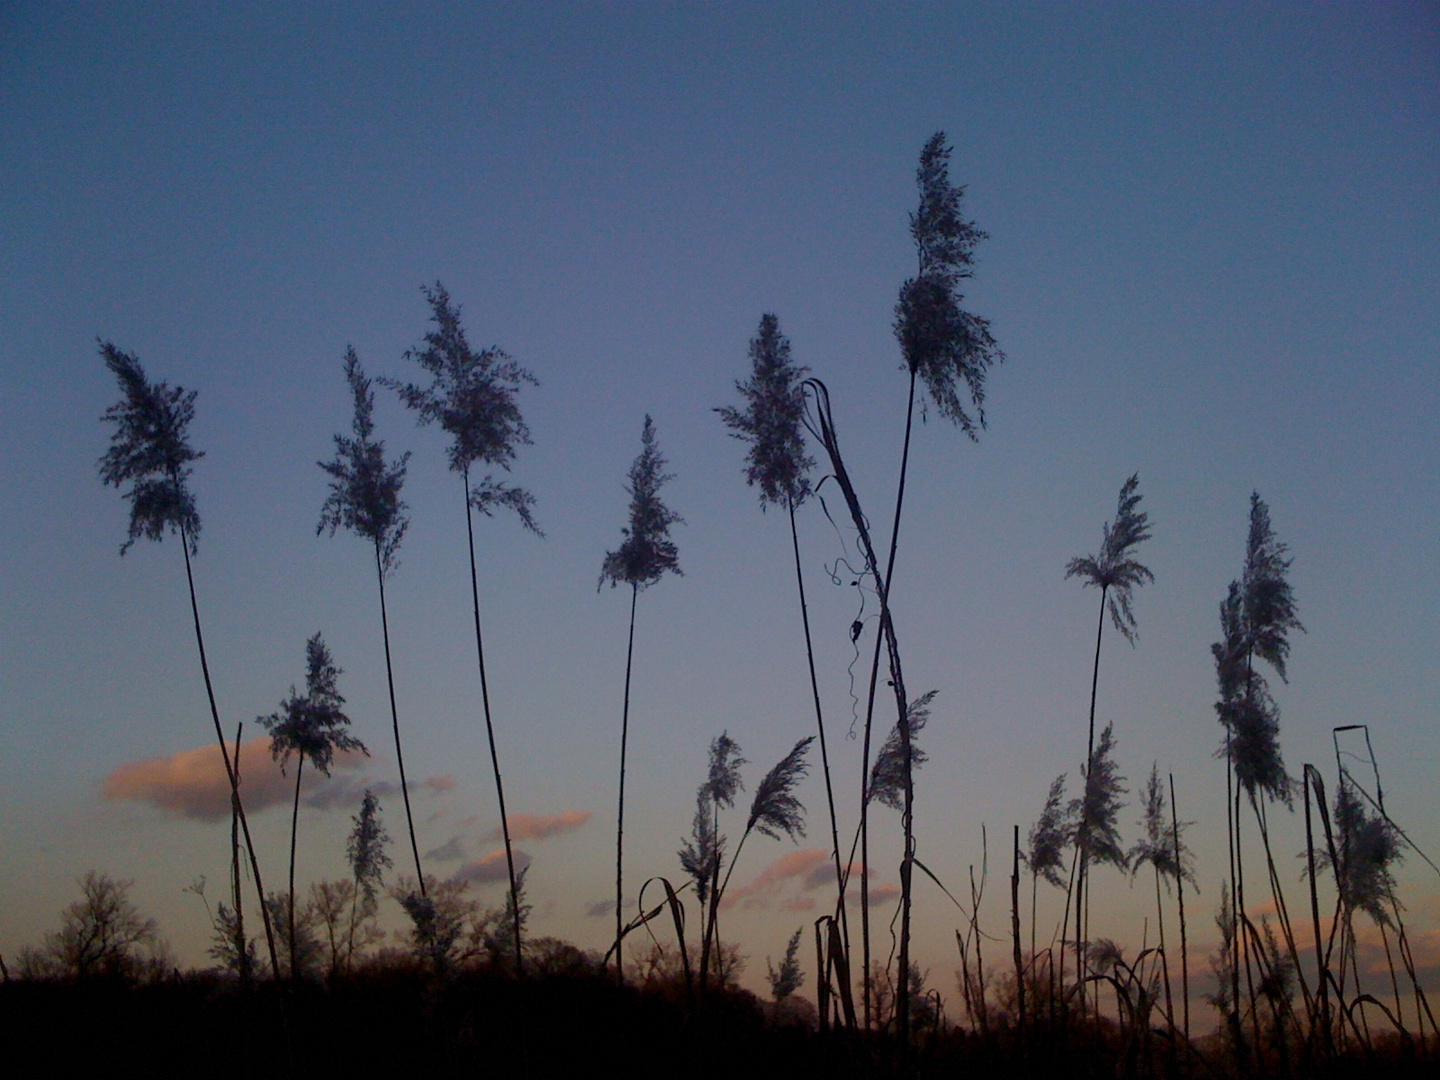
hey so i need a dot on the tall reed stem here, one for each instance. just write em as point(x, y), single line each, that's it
point(490, 727)
point(231, 768)
point(1180, 894)
point(294, 831)
point(620, 811)
point(820, 726)
point(395, 721)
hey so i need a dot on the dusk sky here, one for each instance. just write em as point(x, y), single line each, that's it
point(1213, 258)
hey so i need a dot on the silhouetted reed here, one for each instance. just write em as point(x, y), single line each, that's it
point(150, 450)
point(310, 728)
point(472, 396)
point(773, 423)
point(365, 499)
point(1116, 572)
point(644, 556)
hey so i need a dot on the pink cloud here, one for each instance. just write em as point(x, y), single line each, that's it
point(543, 826)
point(879, 894)
point(795, 864)
point(193, 783)
point(489, 868)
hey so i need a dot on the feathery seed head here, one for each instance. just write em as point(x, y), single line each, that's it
point(1255, 620)
point(365, 848)
point(1114, 568)
point(150, 450)
point(365, 490)
point(1158, 846)
point(723, 781)
point(887, 775)
point(647, 551)
point(940, 341)
point(1050, 835)
point(773, 419)
point(312, 726)
point(1269, 599)
point(1096, 813)
point(472, 396)
point(1366, 848)
point(775, 809)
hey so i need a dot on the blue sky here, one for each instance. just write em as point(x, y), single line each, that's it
point(1214, 258)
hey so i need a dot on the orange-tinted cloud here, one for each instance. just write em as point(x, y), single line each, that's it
point(489, 868)
point(800, 864)
point(543, 826)
point(193, 783)
point(879, 894)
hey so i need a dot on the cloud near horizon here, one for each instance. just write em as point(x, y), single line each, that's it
point(490, 868)
point(542, 826)
point(811, 867)
point(801, 864)
point(193, 784)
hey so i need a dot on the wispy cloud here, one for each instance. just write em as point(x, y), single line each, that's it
point(793, 865)
point(542, 826)
point(879, 894)
point(347, 791)
point(452, 849)
point(193, 783)
point(600, 908)
point(489, 868)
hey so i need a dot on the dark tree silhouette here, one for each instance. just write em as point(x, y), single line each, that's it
point(1116, 572)
point(644, 556)
point(365, 499)
point(773, 423)
point(473, 397)
point(310, 728)
point(150, 450)
point(99, 936)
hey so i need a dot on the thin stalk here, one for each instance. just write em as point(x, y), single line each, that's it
point(824, 429)
point(490, 727)
point(395, 722)
point(820, 726)
point(1084, 845)
point(235, 890)
point(1180, 894)
point(1160, 926)
point(1281, 907)
point(620, 811)
point(713, 932)
point(1230, 821)
point(294, 829)
point(1320, 960)
point(902, 993)
point(867, 991)
point(231, 769)
point(1015, 935)
point(1244, 919)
